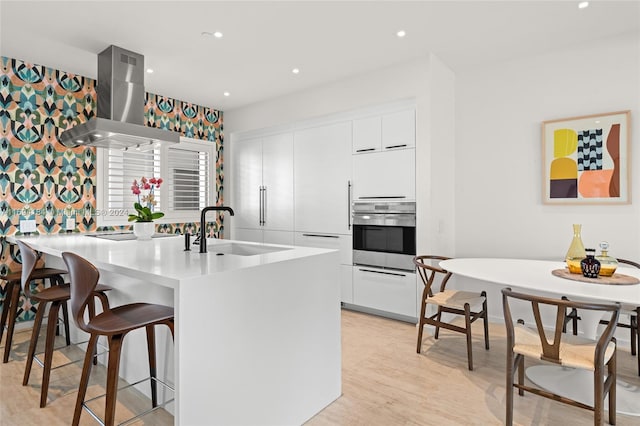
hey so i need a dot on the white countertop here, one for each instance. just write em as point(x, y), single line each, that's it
point(161, 260)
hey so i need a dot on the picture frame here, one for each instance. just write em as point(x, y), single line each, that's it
point(586, 159)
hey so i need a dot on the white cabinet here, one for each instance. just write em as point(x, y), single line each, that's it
point(367, 134)
point(385, 174)
point(322, 165)
point(262, 172)
point(399, 129)
point(385, 290)
point(336, 242)
point(395, 130)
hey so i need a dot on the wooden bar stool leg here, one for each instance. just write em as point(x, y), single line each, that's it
point(151, 349)
point(467, 322)
point(12, 306)
point(113, 368)
point(65, 310)
point(34, 341)
point(84, 379)
point(6, 305)
point(48, 352)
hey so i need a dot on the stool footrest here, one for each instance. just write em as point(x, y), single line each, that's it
point(128, 421)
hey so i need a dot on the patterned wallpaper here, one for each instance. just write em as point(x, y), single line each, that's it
point(43, 180)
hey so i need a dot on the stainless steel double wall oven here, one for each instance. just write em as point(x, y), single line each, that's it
point(384, 234)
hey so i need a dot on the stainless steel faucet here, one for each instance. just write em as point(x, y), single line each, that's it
point(203, 214)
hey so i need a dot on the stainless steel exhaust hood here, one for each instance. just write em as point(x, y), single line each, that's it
point(120, 113)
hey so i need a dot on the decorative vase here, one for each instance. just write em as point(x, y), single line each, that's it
point(608, 264)
point(576, 251)
point(590, 265)
point(143, 230)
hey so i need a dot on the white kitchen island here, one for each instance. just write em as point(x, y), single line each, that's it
point(257, 329)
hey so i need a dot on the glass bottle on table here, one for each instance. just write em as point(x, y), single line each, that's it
point(576, 252)
point(608, 264)
point(590, 265)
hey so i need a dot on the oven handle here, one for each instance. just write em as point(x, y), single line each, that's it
point(383, 273)
point(377, 198)
point(320, 235)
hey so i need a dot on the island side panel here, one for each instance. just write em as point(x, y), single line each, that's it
point(260, 345)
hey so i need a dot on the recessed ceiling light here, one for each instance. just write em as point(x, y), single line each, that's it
point(401, 33)
point(217, 34)
point(295, 71)
point(227, 94)
point(583, 4)
point(149, 70)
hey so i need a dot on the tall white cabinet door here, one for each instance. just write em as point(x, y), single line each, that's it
point(247, 180)
point(277, 179)
point(322, 171)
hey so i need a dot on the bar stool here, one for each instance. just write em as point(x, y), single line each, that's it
point(57, 296)
point(12, 297)
point(114, 323)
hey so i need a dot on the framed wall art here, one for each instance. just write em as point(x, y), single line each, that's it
point(586, 159)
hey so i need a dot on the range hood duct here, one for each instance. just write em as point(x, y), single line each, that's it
point(120, 114)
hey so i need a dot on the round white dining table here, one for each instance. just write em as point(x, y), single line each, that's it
point(536, 276)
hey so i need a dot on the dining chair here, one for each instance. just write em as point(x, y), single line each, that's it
point(114, 324)
point(563, 350)
point(55, 297)
point(632, 312)
point(470, 305)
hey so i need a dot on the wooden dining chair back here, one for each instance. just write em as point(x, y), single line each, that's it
point(558, 348)
point(114, 323)
point(470, 305)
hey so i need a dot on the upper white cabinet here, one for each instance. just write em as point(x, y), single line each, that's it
point(385, 174)
point(322, 174)
point(262, 172)
point(399, 129)
point(390, 131)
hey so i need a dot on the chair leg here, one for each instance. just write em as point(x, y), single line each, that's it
point(423, 312)
point(13, 313)
point(633, 322)
point(151, 349)
point(437, 333)
point(467, 322)
point(6, 305)
point(598, 395)
point(84, 380)
point(48, 352)
point(638, 338)
point(420, 329)
point(486, 320)
point(509, 388)
point(113, 368)
point(611, 372)
point(34, 341)
point(575, 322)
point(520, 361)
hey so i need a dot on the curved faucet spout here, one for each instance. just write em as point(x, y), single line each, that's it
point(203, 214)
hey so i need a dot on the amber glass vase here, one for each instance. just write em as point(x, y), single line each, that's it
point(576, 251)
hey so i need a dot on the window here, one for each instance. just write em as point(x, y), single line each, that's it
point(187, 169)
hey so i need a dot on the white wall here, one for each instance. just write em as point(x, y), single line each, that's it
point(499, 110)
point(414, 80)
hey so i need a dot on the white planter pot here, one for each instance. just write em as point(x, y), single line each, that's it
point(144, 230)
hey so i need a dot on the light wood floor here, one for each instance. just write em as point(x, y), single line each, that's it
point(384, 382)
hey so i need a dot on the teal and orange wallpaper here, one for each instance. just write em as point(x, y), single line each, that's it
point(43, 180)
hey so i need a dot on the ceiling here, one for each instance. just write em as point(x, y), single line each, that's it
point(263, 41)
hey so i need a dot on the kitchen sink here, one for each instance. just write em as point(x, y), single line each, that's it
point(126, 236)
point(240, 249)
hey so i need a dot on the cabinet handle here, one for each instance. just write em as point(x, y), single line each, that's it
point(349, 204)
point(395, 146)
point(320, 236)
point(260, 210)
point(365, 150)
point(373, 198)
point(383, 273)
point(264, 205)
